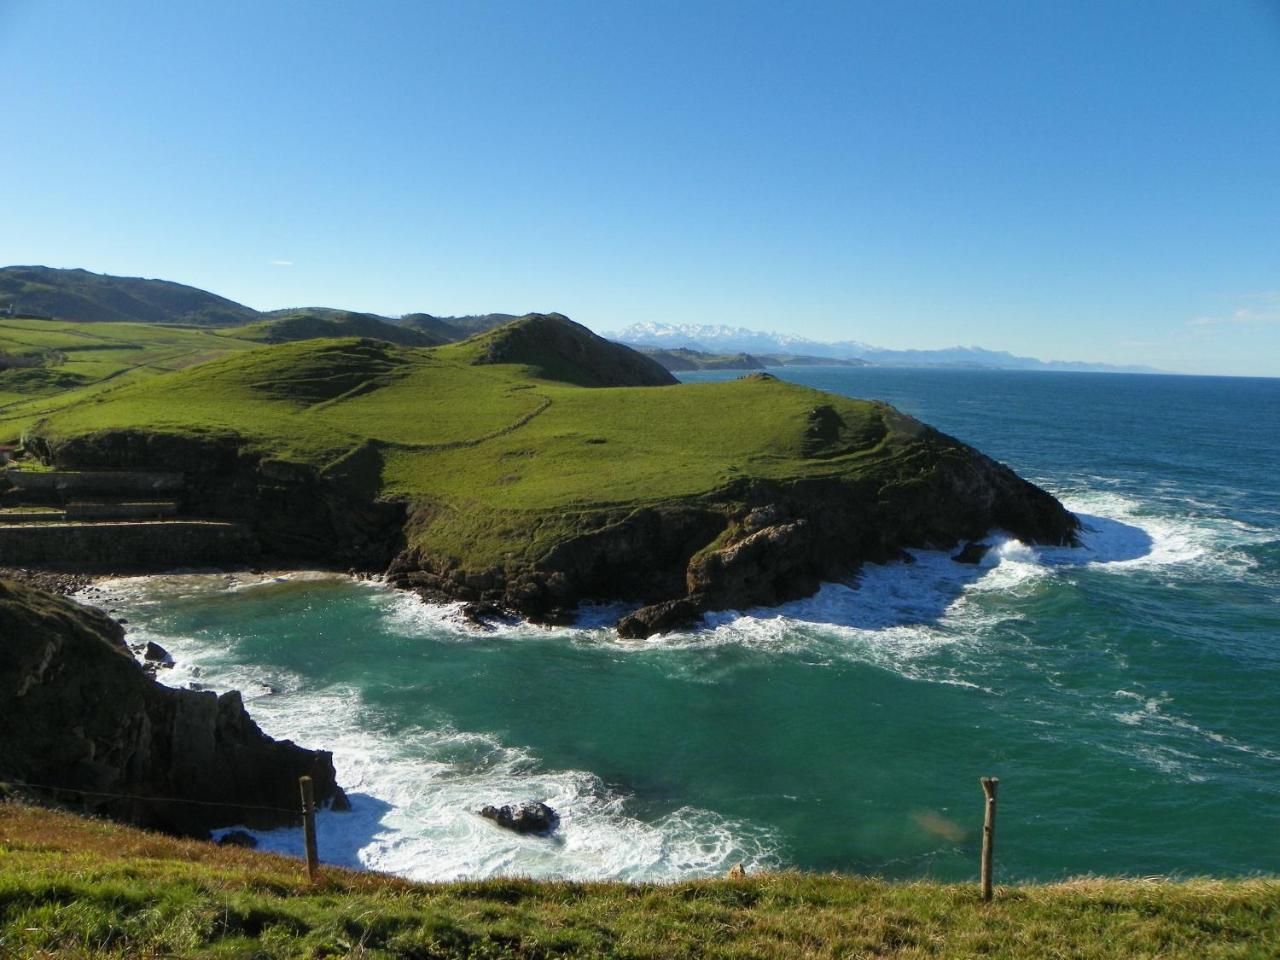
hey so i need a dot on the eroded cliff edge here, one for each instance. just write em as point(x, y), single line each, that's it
point(80, 714)
point(755, 541)
point(537, 467)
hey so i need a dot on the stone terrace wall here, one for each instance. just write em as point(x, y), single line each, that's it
point(158, 544)
point(95, 482)
point(121, 511)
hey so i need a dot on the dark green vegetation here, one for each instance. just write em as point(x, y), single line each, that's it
point(326, 324)
point(82, 715)
point(77, 888)
point(95, 297)
point(58, 294)
point(457, 328)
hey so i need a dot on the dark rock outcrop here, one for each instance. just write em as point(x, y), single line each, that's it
point(972, 553)
point(82, 716)
point(664, 617)
point(529, 816)
point(155, 653)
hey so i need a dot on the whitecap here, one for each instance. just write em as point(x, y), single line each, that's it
point(415, 791)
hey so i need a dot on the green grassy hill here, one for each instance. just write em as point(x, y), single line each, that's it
point(76, 362)
point(327, 324)
point(540, 465)
point(94, 297)
point(48, 365)
point(75, 888)
point(456, 424)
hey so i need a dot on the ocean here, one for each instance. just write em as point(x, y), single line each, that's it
point(1126, 693)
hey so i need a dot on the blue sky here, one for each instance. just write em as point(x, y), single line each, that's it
point(1079, 180)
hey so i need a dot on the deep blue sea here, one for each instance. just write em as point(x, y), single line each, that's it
point(1127, 693)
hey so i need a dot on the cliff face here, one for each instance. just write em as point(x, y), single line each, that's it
point(81, 714)
point(752, 542)
point(298, 512)
point(755, 542)
point(538, 466)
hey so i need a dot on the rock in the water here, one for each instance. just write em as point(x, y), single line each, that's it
point(481, 614)
point(660, 618)
point(238, 838)
point(972, 553)
point(737, 872)
point(528, 817)
point(154, 653)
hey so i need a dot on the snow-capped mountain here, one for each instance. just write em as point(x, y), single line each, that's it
point(718, 338)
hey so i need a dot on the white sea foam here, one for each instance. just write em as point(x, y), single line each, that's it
point(415, 792)
point(1150, 713)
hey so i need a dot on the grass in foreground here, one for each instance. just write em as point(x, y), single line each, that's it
point(71, 887)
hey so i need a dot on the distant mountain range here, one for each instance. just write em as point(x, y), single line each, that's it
point(718, 339)
point(84, 296)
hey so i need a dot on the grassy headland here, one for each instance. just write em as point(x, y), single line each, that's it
point(496, 442)
point(539, 465)
point(71, 887)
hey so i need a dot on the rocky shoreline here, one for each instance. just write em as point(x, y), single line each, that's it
point(64, 583)
point(751, 543)
point(87, 728)
point(755, 543)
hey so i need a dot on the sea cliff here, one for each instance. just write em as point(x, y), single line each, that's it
point(537, 466)
point(87, 728)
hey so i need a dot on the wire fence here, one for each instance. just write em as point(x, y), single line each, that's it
point(306, 810)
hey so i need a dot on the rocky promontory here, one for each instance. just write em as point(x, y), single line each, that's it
point(537, 466)
point(759, 542)
point(87, 728)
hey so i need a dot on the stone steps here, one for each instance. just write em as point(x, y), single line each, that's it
point(110, 520)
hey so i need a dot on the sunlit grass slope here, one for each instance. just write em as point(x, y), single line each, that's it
point(77, 888)
point(77, 361)
point(502, 447)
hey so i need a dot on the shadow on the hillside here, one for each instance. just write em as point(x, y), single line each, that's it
point(339, 835)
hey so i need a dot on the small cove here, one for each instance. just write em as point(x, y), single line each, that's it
point(1125, 691)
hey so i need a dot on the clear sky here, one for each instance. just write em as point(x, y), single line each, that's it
point(1082, 180)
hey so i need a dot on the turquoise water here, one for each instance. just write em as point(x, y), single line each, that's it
point(1127, 693)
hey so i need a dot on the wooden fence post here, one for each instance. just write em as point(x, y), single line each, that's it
point(309, 827)
point(989, 785)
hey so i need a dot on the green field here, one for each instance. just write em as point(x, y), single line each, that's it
point(502, 447)
point(82, 361)
point(71, 887)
